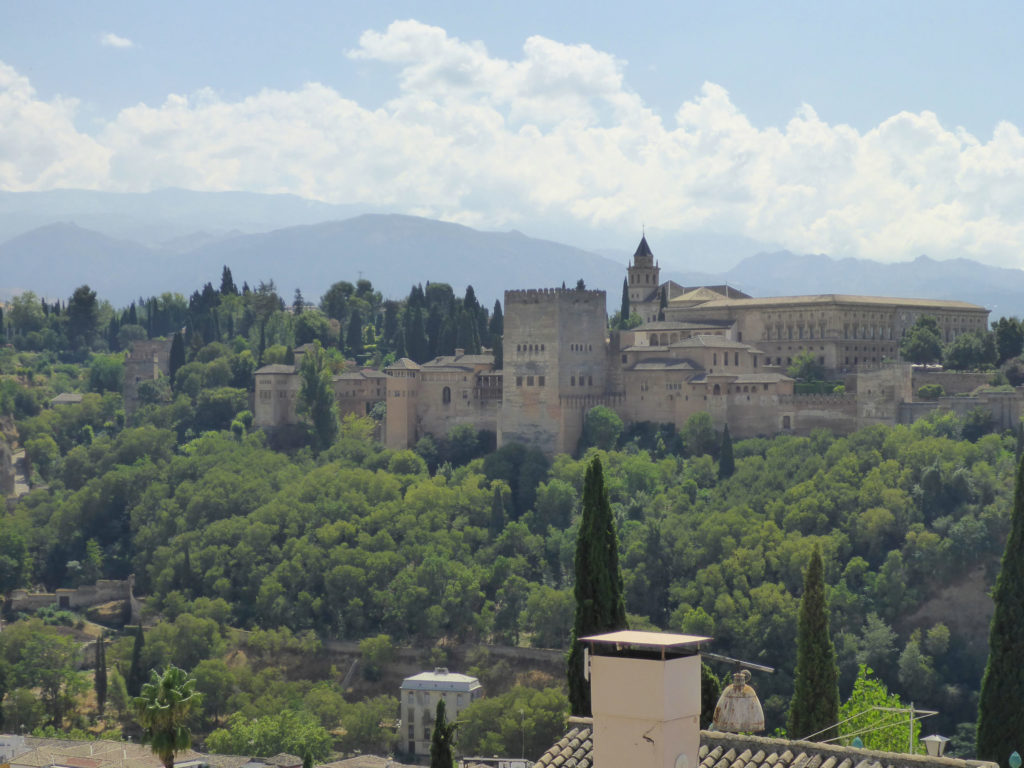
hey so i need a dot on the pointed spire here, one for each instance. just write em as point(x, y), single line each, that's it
point(643, 257)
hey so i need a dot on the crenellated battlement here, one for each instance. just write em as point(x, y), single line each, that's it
point(531, 295)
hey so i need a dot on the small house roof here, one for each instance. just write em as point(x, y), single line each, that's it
point(440, 680)
point(66, 398)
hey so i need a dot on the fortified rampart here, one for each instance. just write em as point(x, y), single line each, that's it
point(103, 591)
point(1005, 407)
point(952, 382)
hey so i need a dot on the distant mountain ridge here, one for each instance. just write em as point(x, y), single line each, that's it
point(391, 250)
point(395, 251)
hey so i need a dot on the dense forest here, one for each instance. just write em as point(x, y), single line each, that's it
point(252, 557)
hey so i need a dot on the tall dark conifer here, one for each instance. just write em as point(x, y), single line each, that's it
point(100, 675)
point(497, 325)
point(599, 603)
point(815, 705)
point(726, 462)
point(136, 675)
point(354, 334)
point(624, 306)
point(177, 358)
point(227, 283)
point(1001, 704)
point(442, 740)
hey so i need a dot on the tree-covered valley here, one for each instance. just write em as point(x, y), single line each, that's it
point(252, 552)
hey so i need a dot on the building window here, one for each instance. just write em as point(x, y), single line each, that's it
point(540, 381)
point(590, 381)
point(519, 381)
point(529, 381)
point(624, 358)
point(736, 358)
point(572, 381)
point(446, 395)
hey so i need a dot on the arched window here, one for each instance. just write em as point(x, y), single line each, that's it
point(446, 395)
point(717, 390)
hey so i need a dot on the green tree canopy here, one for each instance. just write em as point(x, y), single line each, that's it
point(601, 428)
point(878, 729)
point(923, 342)
point(806, 367)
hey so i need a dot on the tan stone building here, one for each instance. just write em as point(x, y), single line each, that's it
point(441, 394)
point(419, 696)
point(842, 331)
point(717, 351)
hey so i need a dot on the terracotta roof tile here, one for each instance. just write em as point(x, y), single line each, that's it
point(729, 750)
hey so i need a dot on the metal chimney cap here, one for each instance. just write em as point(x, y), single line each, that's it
point(647, 639)
point(739, 709)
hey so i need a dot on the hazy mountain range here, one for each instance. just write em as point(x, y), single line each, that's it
point(126, 246)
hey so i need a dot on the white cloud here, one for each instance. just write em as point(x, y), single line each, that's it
point(116, 41)
point(557, 132)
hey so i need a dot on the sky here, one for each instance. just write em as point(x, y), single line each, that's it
point(866, 129)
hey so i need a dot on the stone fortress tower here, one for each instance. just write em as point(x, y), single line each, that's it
point(555, 358)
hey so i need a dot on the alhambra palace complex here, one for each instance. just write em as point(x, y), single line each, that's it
point(716, 350)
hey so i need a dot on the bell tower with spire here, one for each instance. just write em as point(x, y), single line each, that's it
point(644, 275)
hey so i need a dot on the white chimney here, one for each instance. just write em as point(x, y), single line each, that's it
point(645, 699)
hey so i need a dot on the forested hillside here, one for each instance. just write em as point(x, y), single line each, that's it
point(451, 543)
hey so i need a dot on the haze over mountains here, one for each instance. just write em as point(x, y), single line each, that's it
point(131, 245)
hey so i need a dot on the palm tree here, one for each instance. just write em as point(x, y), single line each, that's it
point(162, 709)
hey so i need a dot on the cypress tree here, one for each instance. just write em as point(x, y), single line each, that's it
point(177, 358)
point(726, 462)
point(710, 691)
point(497, 325)
point(815, 705)
point(227, 283)
point(599, 603)
point(136, 676)
point(100, 677)
point(1001, 703)
point(624, 307)
point(662, 302)
point(442, 739)
point(354, 334)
